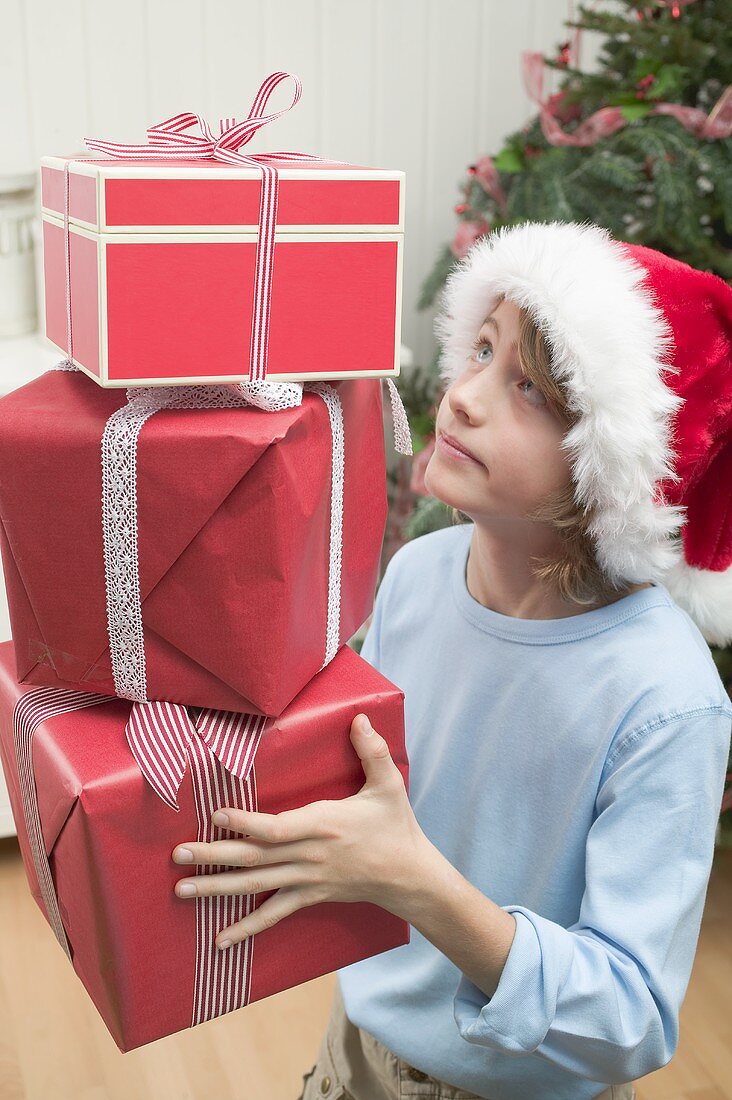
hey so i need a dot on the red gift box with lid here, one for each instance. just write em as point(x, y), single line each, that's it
point(97, 835)
point(162, 270)
point(189, 260)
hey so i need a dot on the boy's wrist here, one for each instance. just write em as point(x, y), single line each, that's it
point(413, 886)
point(468, 927)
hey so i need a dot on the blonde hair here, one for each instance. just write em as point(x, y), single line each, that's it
point(573, 574)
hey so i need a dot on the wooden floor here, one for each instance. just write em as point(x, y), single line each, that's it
point(54, 1046)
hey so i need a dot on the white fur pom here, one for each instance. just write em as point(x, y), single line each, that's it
point(705, 596)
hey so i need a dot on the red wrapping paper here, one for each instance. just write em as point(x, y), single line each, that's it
point(234, 516)
point(109, 840)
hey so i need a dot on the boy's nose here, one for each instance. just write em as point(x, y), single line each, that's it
point(468, 397)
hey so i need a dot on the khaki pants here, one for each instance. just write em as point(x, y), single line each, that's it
point(353, 1065)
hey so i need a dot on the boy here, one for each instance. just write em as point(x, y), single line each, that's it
point(567, 729)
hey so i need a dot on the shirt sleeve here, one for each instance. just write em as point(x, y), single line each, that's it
point(602, 997)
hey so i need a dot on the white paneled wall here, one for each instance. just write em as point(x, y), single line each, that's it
point(425, 86)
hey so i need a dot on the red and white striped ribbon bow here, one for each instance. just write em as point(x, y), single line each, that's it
point(161, 748)
point(220, 748)
point(169, 140)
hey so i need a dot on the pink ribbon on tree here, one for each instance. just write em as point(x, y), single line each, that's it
point(716, 125)
point(600, 124)
point(606, 121)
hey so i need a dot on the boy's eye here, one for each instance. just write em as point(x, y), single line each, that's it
point(533, 394)
point(480, 346)
point(537, 397)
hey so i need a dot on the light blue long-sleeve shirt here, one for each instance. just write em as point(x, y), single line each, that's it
point(572, 769)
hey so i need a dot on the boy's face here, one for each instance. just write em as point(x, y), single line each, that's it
point(495, 412)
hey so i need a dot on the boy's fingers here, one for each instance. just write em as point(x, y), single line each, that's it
point(238, 853)
point(230, 883)
point(373, 750)
point(287, 900)
point(273, 838)
point(297, 824)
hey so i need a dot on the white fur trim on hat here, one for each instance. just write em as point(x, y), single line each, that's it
point(610, 345)
point(706, 596)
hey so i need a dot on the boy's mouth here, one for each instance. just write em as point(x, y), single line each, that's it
point(452, 447)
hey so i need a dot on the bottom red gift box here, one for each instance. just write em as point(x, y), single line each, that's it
point(94, 782)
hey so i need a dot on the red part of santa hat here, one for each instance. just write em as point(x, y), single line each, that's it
point(642, 346)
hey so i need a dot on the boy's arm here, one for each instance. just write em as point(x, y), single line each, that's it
point(602, 997)
point(462, 923)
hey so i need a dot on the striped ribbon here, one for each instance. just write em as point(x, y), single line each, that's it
point(220, 748)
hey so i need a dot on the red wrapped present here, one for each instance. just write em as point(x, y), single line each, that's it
point(97, 826)
point(188, 260)
point(211, 556)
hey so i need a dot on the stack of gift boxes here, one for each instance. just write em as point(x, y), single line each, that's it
point(192, 511)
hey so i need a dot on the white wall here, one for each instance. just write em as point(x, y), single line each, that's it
point(425, 86)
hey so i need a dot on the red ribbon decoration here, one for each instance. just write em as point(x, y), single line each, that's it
point(606, 121)
point(601, 124)
point(486, 173)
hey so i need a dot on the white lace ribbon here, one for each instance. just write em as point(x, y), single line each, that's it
point(402, 435)
point(400, 421)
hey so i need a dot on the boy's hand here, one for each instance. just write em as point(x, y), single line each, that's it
point(361, 848)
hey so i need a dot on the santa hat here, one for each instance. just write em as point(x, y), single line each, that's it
point(642, 346)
